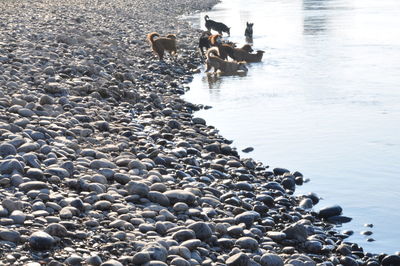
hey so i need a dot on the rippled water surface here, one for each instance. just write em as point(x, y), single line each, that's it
point(325, 101)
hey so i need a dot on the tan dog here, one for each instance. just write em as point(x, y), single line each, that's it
point(226, 67)
point(162, 44)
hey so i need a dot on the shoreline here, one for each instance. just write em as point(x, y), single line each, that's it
point(103, 163)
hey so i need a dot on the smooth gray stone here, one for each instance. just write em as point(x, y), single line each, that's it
point(239, 259)
point(191, 244)
point(201, 230)
point(247, 243)
point(33, 185)
point(18, 216)
point(270, 259)
point(339, 219)
point(141, 258)
point(296, 231)
point(248, 218)
point(330, 211)
point(138, 188)
point(313, 246)
point(158, 197)
point(9, 235)
point(180, 196)
point(56, 229)
point(57, 171)
point(12, 204)
point(10, 165)
point(41, 241)
point(7, 149)
point(28, 147)
point(111, 263)
point(183, 235)
point(156, 251)
point(102, 163)
point(280, 171)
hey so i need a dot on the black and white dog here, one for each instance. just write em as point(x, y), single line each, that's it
point(217, 26)
point(249, 32)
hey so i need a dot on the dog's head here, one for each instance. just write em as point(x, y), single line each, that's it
point(247, 48)
point(171, 36)
point(228, 30)
point(249, 25)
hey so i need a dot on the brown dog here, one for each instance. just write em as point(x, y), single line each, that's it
point(226, 50)
point(226, 67)
point(243, 54)
point(162, 44)
point(253, 58)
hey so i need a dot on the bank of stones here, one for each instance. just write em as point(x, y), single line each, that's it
point(102, 162)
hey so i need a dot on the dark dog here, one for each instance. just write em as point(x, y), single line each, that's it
point(249, 32)
point(162, 44)
point(204, 41)
point(217, 26)
point(237, 53)
point(226, 67)
point(253, 58)
point(226, 50)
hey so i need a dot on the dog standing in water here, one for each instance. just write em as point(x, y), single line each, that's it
point(217, 26)
point(162, 44)
point(226, 67)
point(249, 32)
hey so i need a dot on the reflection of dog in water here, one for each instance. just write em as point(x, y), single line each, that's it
point(226, 67)
point(162, 44)
point(217, 26)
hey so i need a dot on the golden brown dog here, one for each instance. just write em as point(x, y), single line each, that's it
point(215, 39)
point(162, 44)
point(226, 67)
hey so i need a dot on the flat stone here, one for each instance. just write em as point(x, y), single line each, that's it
point(33, 185)
point(180, 196)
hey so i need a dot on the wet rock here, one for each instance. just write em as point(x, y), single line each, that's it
point(330, 211)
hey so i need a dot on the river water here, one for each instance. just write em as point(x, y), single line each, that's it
point(325, 101)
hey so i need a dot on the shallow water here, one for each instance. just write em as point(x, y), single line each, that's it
point(324, 101)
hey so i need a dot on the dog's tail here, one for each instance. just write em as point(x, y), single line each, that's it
point(213, 51)
point(206, 17)
point(151, 36)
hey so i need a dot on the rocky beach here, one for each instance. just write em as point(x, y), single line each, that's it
point(103, 163)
